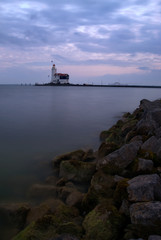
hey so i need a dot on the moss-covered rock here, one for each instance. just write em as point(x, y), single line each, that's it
point(75, 155)
point(77, 171)
point(103, 222)
point(113, 135)
point(102, 187)
point(65, 219)
point(106, 148)
point(121, 193)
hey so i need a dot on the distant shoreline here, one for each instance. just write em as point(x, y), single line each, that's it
point(97, 85)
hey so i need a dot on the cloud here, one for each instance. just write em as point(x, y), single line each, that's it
point(76, 34)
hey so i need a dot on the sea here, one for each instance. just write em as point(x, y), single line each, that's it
point(38, 123)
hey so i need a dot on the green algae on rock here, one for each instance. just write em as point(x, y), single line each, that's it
point(103, 222)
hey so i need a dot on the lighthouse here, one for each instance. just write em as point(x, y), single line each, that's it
point(58, 78)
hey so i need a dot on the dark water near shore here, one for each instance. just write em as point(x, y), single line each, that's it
point(37, 123)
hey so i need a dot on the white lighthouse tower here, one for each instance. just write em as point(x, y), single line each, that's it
point(53, 74)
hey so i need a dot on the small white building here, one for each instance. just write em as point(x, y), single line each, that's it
point(58, 78)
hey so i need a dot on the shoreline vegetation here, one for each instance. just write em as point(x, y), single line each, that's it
point(113, 193)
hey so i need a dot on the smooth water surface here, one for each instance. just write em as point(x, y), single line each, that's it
point(37, 123)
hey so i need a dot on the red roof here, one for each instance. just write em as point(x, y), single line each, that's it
point(62, 74)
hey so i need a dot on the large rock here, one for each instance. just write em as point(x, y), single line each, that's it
point(44, 208)
point(75, 155)
point(144, 165)
point(122, 157)
point(146, 213)
point(77, 171)
point(12, 219)
point(14, 214)
point(152, 145)
point(144, 188)
point(64, 220)
point(151, 117)
point(103, 222)
point(154, 237)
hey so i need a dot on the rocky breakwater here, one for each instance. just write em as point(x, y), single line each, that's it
point(111, 194)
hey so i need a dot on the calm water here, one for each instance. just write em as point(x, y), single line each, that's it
point(37, 123)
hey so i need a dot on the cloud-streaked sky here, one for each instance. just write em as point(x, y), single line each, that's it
point(99, 41)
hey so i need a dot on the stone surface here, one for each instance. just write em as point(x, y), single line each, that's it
point(74, 198)
point(152, 144)
point(65, 237)
point(44, 208)
point(14, 214)
point(75, 155)
point(122, 157)
point(77, 171)
point(144, 165)
point(154, 237)
point(146, 213)
point(103, 222)
point(144, 188)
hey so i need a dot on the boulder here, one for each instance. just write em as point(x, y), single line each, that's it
point(151, 117)
point(106, 148)
point(12, 219)
point(77, 171)
point(103, 222)
point(65, 237)
point(64, 220)
point(89, 156)
point(75, 155)
point(154, 237)
point(146, 213)
point(121, 158)
point(144, 188)
point(41, 210)
point(74, 199)
point(153, 145)
point(144, 165)
point(14, 214)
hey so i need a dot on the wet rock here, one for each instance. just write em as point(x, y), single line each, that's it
point(151, 118)
point(74, 199)
point(154, 237)
point(128, 127)
point(118, 178)
point(144, 188)
point(121, 158)
point(64, 220)
point(42, 191)
point(44, 208)
point(153, 145)
point(77, 171)
point(146, 213)
point(145, 165)
point(103, 222)
point(65, 237)
point(89, 156)
point(75, 155)
point(124, 209)
point(12, 219)
point(106, 148)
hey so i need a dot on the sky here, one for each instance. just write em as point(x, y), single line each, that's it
point(94, 41)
